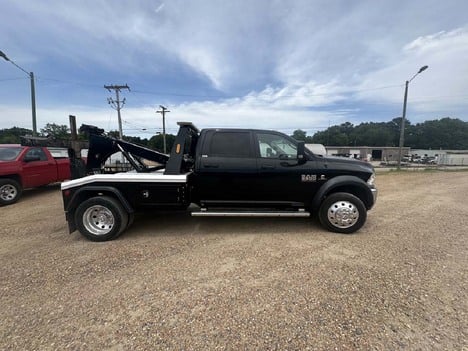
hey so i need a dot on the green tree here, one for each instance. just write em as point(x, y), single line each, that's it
point(136, 140)
point(12, 135)
point(374, 134)
point(300, 135)
point(335, 135)
point(157, 143)
point(446, 133)
point(56, 131)
point(113, 134)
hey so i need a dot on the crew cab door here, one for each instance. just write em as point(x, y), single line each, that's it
point(281, 177)
point(226, 167)
point(38, 169)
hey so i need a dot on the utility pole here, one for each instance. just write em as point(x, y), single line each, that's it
point(33, 103)
point(163, 112)
point(117, 104)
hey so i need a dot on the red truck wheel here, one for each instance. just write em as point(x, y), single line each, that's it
point(101, 218)
point(10, 191)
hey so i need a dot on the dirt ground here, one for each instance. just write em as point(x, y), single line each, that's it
point(173, 282)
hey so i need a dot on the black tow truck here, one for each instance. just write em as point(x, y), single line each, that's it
point(217, 172)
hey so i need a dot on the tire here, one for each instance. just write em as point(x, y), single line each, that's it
point(342, 213)
point(10, 191)
point(131, 218)
point(101, 218)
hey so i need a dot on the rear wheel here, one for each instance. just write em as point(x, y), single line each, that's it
point(131, 218)
point(10, 191)
point(342, 213)
point(101, 218)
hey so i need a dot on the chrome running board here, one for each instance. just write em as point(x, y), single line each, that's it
point(205, 213)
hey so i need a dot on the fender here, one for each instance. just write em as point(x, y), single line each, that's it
point(346, 181)
point(16, 177)
point(81, 193)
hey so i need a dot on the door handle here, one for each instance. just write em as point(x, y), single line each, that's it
point(211, 166)
point(267, 167)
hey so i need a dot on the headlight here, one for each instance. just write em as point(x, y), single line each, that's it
point(371, 179)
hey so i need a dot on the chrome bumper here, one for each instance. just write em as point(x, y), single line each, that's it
point(374, 194)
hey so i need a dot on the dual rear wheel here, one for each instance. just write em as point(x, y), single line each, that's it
point(102, 218)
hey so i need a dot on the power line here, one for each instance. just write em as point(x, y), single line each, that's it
point(69, 82)
point(134, 124)
point(9, 79)
point(168, 93)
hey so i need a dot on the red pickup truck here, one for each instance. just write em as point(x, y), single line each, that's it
point(24, 167)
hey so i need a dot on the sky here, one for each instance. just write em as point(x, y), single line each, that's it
point(266, 64)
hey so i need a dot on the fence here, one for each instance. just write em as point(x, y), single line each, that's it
point(453, 160)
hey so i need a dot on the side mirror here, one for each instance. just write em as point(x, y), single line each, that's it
point(301, 156)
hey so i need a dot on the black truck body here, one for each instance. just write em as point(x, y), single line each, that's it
point(224, 172)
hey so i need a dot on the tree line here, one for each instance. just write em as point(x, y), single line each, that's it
point(446, 133)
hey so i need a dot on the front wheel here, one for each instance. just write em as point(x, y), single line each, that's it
point(342, 213)
point(101, 218)
point(10, 191)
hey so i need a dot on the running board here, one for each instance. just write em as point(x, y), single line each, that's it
point(250, 214)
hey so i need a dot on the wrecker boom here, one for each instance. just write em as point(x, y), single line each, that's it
point(101, 147)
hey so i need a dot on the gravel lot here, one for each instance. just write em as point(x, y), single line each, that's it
point(180, 283)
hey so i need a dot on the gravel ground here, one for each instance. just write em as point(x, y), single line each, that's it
point(180, 283)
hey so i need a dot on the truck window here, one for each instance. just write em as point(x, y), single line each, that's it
point(37, 152)
point(276, 146)
point(9, 153)
point(230, 144)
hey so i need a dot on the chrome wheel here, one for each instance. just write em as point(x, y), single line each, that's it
point(343, 214)
point(8, 192)
point(98, 220)
point(101, 218)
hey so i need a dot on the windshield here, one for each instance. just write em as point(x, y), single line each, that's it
point(9, 153)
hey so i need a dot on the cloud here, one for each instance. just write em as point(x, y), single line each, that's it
point(286, 109)
point(283, 65)
point(440, 87)
point(159, 8)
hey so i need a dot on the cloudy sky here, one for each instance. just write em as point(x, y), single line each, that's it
point(285, 65)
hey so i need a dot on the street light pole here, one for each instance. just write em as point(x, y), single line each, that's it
point(33, 91)
point(402, 125)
